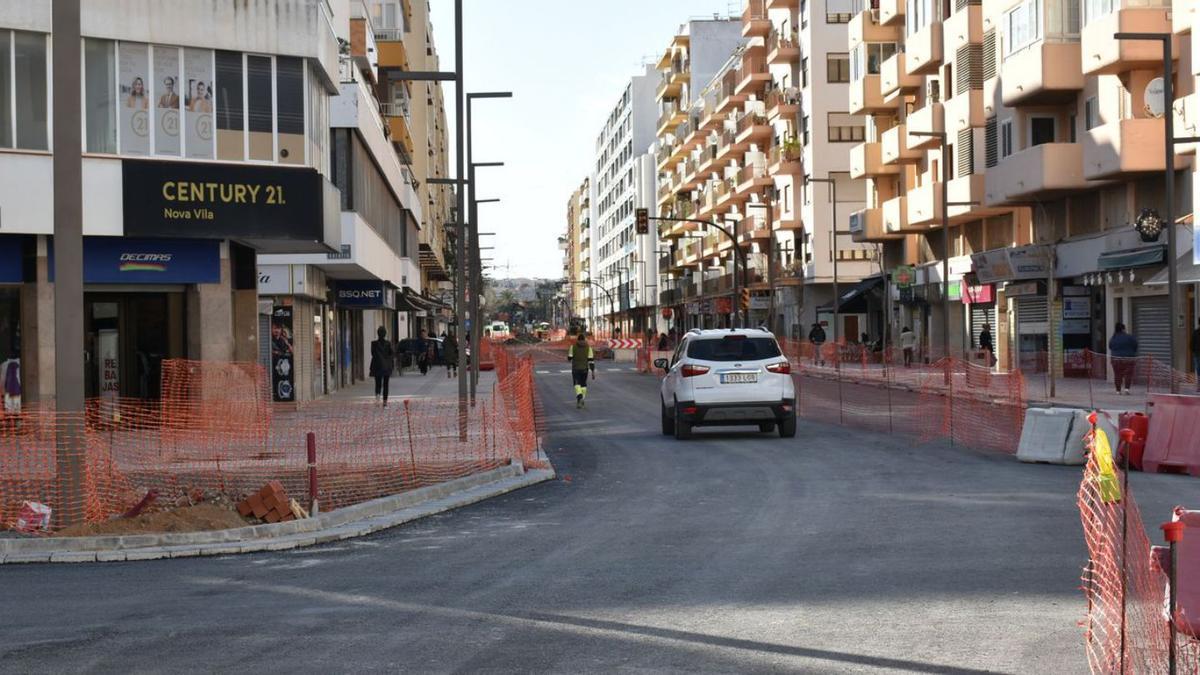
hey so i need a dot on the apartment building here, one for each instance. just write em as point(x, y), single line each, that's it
point(1052, 151)
point(624, 181)
point(429, 133)
point(773, 113)
point(576, 291)
point(205, 144)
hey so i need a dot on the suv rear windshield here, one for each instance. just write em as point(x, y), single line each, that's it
point(733, 348)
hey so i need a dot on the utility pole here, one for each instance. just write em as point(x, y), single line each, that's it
point(460, 258)
point(68, 258)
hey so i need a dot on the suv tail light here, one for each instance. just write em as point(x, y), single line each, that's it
point(783, 368)
point(692, 371)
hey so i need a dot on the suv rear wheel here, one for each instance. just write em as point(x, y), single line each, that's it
point(787, 426)
point(668, 420)
point(683, 429)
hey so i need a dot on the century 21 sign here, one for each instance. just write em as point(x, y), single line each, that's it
point(209, 200)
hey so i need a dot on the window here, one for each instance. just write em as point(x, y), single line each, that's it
point(844, 128)
point(1094, 9)
point(1072, 124)
point(260, 108)
point(804, 72)
point(868, 58)
point(733, 348)
point(964, 151)
point(1023, 26)
point(1041, 130)
point(804, 13)
point(165, 94)
point(920, 13)
point(841, 11)
point(197, 85)
point(1091, 113)
point(289, 95)
point(24, 92)
point(100, 95)
point(837, 67)
point(1006, 138)
point(134, 64)
point(804, 130)
point(231, 121)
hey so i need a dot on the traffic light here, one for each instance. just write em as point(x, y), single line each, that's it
point(643, 220)
point(745, 300)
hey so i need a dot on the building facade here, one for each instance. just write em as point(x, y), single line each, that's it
point(206, 143)
point(1048, 136)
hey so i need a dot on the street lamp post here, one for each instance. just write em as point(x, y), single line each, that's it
point(739, 254)
point(837, 298)
point(769, 205)
point(1173, 296)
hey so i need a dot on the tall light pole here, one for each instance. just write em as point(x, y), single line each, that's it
point(941, 139)
point(475, 335)
point(1173, 296)
point(837, 297)
point(768, 203)
point(68, 255)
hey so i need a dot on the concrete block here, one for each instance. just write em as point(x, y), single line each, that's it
point(73, 556)
point(149, 553)
point(27, 557)
point(110, 556)
point(1044, 437)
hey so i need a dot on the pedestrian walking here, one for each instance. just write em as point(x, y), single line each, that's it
point(382, 362)
point(908, 343)
point(450, 353)
point(582, 360)
point(663, 343)
point(1122, 349)
point(421, 352)
point(817, 337)
point(986, 344)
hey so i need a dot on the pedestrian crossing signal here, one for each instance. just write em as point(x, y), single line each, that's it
point(643, 220)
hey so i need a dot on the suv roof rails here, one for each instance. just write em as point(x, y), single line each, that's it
point(697, 331)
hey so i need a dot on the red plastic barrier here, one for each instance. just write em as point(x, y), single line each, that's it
point(1187, 577)
point(1139, 424)
point(1173, 441)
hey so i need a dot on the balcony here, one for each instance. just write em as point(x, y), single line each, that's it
point(965, 111)
point(754, 74)
point(392, 52)
point(1045, 73)
point(924, 49)
point(894, 77)
point(786, 161)
point(753, 228)
point(866, 161)
point(963, 27)
point(1102, 55)
point(784, 49)
point(925, 206)
point(866, 97)
point(1125, 147)
point(671, 117)
point(754, 19)
point(895, 146)
point(891, 12)
point(968, 190)
point(782, 4)
point(865, 27)
point(931, 117)
point(754, 127)
point(782, 105)
point(1036, 173)
point(895, 216)
point(751, 178)
point(867, 225)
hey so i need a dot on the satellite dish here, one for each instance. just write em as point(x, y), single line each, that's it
point(1153, 97)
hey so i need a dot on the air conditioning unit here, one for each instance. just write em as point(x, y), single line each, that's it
point(933, 91)
point(857, 222)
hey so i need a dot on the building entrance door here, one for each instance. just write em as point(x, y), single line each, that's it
point(127, 336)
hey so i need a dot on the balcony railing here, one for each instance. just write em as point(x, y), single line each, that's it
point(750, 120)
point(751, 172)
point(389, 35)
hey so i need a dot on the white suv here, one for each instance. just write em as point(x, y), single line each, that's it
point(727, 377)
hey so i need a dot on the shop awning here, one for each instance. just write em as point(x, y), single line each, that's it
point(408, 301)
point(854, 301)
point(1187, 271)
point(1124, 259)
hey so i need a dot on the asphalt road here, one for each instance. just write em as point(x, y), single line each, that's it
point(837, 551)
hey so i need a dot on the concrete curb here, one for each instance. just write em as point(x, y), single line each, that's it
point(352, 521)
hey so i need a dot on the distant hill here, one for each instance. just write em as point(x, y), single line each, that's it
point(524, 289)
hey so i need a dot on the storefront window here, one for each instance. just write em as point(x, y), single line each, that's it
point(198, 103)
point(260, 111)
point(134, 99)
point(230, 104)
point(166, 101)
point(6, 123)
point(100, 95)
point(289, 94)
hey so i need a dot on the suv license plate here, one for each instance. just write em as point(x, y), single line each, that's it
point(739, 378)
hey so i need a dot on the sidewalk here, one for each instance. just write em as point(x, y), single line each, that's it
point(413, 385)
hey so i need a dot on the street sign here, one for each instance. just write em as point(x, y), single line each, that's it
point(642, 217)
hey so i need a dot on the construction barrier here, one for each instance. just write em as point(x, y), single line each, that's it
point(1173, 441)
point(1126, 629)
point(215, 432)
point(1047, 437)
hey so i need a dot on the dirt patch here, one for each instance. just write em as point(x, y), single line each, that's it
point(198, 518)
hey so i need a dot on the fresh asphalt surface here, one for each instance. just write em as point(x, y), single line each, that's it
point(836, 551)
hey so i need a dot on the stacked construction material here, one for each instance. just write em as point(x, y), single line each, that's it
point(270, 504)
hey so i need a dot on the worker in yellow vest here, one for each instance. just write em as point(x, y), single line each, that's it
point(582, 360)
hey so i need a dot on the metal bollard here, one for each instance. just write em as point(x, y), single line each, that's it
point(313, 506)
point(1173, 533)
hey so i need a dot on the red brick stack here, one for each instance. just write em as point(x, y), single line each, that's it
point(270, 504)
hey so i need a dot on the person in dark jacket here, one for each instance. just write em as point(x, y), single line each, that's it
point(382, 363)
point(1122, 349)
point(817, 337)
point(987, 345)
point(450, 353)
point(420, 348)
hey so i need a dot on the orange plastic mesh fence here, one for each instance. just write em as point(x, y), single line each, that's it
point(1126, 629)
point(195, 440)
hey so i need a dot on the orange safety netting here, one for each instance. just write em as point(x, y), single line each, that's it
point(1127, 628)
point(215, 431)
